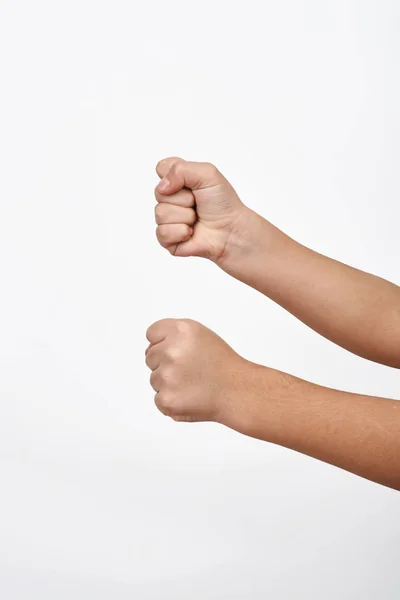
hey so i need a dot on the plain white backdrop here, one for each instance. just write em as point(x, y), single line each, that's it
point(101, 497)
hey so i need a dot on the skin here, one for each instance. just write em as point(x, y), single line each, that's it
point(198, 377)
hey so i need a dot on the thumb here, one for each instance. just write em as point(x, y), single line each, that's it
point(192, 175)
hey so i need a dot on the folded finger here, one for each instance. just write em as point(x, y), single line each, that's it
point(155, 380)
point(166, 213)
point(168, 235)
point(184, 197)
point(154, 356)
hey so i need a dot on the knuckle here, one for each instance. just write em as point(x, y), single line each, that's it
point(159, 212)
point(153, 381)
point(150, 333)
point(178, 167)
point(163, 402)
point(211, 168)
point(147, 360)
point(162, 234)
point(173, 353)
point(160, 400)
point(186, 197)
point(184, 326)
point(192, 217)
point(159, 196)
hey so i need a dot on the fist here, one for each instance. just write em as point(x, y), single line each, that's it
point(198, 211)
point(194, 371)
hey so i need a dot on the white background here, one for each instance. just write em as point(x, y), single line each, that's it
point(101, 496)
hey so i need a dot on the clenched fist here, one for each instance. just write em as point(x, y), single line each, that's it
point(194, 372)
point(198, 211)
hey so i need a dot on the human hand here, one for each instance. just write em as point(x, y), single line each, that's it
point(194, 372)
point(198, 211)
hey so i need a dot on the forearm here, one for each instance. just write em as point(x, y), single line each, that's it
point(358, 433)
point(356, 310)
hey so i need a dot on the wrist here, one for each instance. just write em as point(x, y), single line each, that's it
point(260, 402)
point(245, 399)
point(253, 244)
point(242, 236)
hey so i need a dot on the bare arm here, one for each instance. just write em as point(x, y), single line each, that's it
point(360, 434)
point(356, 310)
point(198, 377)
point(200, 214)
